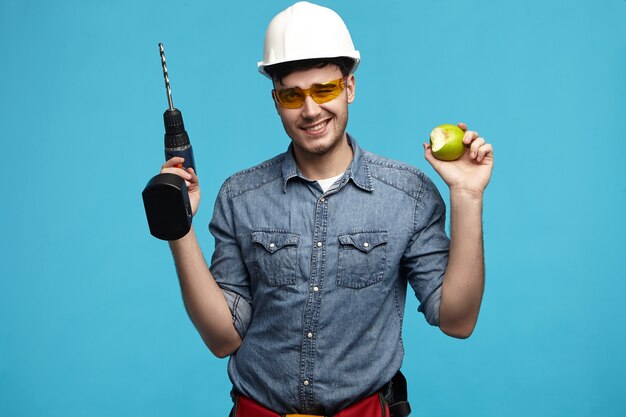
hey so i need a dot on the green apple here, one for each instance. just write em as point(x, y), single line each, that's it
point(446, 142)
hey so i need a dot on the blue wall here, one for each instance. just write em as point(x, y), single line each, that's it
point(91, 319)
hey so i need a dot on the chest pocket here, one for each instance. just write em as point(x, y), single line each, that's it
point(274, 257)
point(362, 259)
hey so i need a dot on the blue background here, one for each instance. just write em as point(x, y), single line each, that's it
point(91, 318)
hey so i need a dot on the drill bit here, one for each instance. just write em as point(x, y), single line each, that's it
point(167, 80)
point(176, 138)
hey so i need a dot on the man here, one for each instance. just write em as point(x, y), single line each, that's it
point(314, 248)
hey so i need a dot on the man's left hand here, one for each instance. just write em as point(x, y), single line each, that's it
point(472, 171)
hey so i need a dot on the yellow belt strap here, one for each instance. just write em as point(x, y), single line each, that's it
point(301, 415)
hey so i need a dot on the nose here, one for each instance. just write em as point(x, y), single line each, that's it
point(310, 109)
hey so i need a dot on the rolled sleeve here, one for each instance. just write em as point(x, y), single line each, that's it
point(240, 309)
point(426, 257)
point(227, 264)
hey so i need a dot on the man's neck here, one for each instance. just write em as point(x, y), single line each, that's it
point(327, 165)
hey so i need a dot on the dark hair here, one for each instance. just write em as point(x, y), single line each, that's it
point(280, 71)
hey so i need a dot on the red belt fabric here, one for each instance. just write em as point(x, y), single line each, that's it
point(372, 406)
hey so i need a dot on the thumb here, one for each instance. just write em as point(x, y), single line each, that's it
point(428, 154)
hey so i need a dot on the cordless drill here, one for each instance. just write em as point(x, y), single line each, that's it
point(165, 197)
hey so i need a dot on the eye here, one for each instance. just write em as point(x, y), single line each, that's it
point(290, 94)
point(325, 91)
point(330, 89)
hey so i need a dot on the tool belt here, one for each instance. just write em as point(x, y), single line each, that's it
point(372, 406)
point(376, 405)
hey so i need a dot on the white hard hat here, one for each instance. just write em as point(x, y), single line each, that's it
point(305, 31)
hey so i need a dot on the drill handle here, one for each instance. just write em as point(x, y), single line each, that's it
point(185, 152)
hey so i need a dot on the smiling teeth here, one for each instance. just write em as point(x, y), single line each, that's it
point(317, 127)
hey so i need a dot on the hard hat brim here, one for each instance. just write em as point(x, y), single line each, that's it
point(262, 65)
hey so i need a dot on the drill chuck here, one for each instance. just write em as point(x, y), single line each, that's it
point(175, 133)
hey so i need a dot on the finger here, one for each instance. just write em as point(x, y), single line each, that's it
point(477, 143)
point(428, 153)
point(483, 151)
point(177, 171)
point(469, 136)
point(194, 177)
point(173, 161)
point(463, 126)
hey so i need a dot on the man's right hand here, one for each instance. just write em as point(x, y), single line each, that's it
point(172, 166)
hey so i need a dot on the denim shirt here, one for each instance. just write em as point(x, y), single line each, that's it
point(317, 282)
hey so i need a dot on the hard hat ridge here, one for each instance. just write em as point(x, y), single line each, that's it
point(306, 31)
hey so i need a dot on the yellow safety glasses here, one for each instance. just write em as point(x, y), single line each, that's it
point(293, 98)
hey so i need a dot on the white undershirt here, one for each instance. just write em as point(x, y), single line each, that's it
point(326, 183)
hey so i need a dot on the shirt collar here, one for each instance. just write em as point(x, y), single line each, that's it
point(358, 170)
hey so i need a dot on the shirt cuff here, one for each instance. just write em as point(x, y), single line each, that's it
point(240, 310)
point(430, 307)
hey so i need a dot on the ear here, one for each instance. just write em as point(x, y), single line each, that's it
point(351, 88)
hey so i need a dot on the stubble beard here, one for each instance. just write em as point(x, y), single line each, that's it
point(340, 121)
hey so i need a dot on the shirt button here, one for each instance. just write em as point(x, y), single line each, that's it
point(366, 245)
point(272, 245)
point(316, 289)
point(319, 244)
point(309, 335)
point(306, 382)
point(322, 200)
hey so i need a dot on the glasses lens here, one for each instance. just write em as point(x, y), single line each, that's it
point(323, 93)
point(291, 98)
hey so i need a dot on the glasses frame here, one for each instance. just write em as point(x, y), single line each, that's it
point(307, 92)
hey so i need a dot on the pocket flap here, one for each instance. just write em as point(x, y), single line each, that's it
point(364, 241)
point(275, 240)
